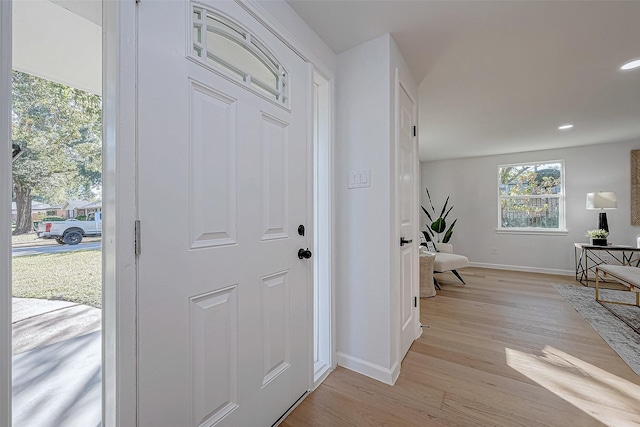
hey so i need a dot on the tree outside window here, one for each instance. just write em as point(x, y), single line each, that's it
point(531, 196)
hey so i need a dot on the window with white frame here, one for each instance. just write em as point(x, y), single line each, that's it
point(226, 46)
point(531, 196)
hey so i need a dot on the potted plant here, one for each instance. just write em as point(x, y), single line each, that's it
point(438, 223)
point(598, 237)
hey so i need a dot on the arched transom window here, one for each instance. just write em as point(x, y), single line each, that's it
point(223, 44)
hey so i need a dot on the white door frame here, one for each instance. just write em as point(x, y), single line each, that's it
point(119, 201)
point(323, 348)
point(119, 313)
point(5, 214)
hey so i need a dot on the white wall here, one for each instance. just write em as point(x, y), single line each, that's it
point(472, 184)
point(362, 215)
point(367, 295)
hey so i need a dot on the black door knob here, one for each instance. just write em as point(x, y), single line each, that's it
point(404, 241)
point(306, 254)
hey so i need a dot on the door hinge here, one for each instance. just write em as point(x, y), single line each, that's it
point(137, 237)
point(415, 302)
point(415, 131)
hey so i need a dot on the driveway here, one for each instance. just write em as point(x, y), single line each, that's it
point(38, 250)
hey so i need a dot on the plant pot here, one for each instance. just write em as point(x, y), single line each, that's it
point(599, 242)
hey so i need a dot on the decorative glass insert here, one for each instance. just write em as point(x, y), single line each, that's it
point(531, 196)
point(226, 46)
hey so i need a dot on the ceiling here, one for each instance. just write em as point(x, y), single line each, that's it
point(500, 77)
point(59, 40)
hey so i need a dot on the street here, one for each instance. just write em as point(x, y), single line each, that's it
point(38, 250)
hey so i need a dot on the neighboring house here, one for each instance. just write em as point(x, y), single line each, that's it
point(38, 209)
point(90, 207)
point(72, 208)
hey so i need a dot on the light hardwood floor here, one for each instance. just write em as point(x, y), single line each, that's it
point(504, 350)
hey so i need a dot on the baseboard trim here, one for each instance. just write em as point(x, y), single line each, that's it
point(371, 370)
point(523, 268)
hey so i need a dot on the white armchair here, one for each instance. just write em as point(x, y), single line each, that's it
point(446, 261)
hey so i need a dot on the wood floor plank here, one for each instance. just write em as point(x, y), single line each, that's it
point(505, 349)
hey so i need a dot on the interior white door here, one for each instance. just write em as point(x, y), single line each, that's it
point(408, 220)
point(223, 323)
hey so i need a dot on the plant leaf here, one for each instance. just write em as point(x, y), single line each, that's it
point(430, 202)
point(445, 215)
point(439, 225)
point(447, 235)
point(427, 212)
point(444, 208)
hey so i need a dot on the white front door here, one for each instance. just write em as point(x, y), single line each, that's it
point(223, 314)
point(408, 220)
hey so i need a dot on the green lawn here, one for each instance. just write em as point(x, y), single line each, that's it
point(70, 276)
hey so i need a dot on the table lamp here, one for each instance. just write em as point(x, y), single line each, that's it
point(602, 200)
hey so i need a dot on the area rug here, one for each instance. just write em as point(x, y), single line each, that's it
point(622, 338)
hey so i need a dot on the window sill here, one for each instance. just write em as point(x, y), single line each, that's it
point(532, 231)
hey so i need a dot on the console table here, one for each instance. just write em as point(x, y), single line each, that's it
point(588, 257)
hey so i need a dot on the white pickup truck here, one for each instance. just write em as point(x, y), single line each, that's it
point(71, 231)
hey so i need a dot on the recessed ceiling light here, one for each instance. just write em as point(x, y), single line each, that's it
point(565, 127)
point(631, 65)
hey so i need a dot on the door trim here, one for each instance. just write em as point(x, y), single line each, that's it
point(322, 179)
point(119, 314)
point(5, 212)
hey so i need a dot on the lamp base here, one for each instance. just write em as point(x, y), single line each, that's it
point(602, 221)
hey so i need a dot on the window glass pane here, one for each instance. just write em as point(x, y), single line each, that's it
point(197, 33)
point(272, 62)
point(264, 89)
point(221, 63)
point(534, 179)
point(539, 212)
point(225, 27)
point(531, 195)
point(240, 58)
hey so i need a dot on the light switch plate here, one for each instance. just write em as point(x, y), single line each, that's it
point(360, 178)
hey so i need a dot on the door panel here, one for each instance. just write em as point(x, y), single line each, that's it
point(214, 370)
point(408, 220)
point(274, 178)
point(223, 330)
point(213, 159)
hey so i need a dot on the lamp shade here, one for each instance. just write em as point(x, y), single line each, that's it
point(602, 200)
